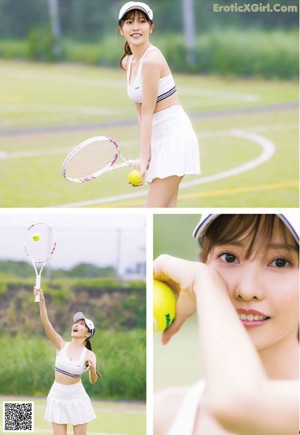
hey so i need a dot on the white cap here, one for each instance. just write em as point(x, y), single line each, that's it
point(290, 219)
point(88, 322)
point(129, 6)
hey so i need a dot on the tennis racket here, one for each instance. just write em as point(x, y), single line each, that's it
point(39, 244)
point(92, 158)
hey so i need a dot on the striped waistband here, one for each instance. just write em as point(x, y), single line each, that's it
point(67, 373)
point(166, 94)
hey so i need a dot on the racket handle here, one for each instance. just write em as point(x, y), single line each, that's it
point(37, 285)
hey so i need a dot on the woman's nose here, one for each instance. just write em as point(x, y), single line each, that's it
point(250, 284)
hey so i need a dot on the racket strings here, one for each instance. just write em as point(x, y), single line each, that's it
point(91, 159)
point(39, 242)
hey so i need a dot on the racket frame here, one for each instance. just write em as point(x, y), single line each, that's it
point(109, 167)
point(38, 273)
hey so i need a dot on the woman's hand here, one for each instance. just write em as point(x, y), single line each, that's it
point(186, 279)
point(142, 166)
point(90, 365)
point(93, 374)
point(181, 276)
point(39, 291)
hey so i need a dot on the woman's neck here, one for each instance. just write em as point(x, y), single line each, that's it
point(281, 361)
point(139, 50)
point(77, 343)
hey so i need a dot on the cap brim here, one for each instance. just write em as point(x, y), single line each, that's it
point(291, 220)
point(139, 8)
point(78, 316)
point(203, 224)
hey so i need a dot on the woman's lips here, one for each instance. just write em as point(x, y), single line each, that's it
point(252, 318)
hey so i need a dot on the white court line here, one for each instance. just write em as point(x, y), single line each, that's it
point(121, 84)
point(128, 143)
point(268, 150)
point(219, 94)
point(58, 108)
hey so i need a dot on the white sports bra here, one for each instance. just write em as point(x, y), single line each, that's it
point(184, 422)
point(67, 367)
point(166, 85)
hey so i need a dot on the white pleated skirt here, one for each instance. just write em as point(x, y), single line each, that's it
point(69, 404)
point(174, 145)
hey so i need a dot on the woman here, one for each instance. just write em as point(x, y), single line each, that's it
point(68, 402)
point(246, 292)
point(168, 145)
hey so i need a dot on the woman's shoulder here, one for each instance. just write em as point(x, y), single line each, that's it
point(90, 353)
point(166, 405)
point(154, 56)
point(181, 403)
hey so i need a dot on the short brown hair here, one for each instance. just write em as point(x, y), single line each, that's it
point(227, 228)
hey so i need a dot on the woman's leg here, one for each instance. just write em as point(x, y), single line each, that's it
point(80, 429)
point(163, 192)
point(59, 429)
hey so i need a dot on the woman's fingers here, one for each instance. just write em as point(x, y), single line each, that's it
point(176, 325)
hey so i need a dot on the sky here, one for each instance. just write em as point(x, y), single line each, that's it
point(91, 236)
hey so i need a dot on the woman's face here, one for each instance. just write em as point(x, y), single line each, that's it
point(136, 29)
point(263, 288)
point(80, 330)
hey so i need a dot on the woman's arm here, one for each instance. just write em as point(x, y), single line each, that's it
point(138, 107)
point(53, 336)
point(237, 387)
point(92, 362)
point(150, 77)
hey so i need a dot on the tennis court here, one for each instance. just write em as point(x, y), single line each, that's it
point(113, 418)
point(248, 130)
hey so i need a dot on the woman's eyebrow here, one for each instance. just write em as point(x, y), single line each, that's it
point(231, 243)
point(287, 246)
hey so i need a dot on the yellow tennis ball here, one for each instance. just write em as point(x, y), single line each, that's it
point(36, 237)
point(164, 306)
point(134, 177)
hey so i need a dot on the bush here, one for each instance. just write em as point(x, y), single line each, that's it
point(28, 366)
point(41, 44)
point(249, 53)
point(13, 49)
point(266, 54)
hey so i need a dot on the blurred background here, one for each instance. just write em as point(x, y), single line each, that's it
point(195, 35)
point(237, 77)
point(98, 267)
point(173, 235)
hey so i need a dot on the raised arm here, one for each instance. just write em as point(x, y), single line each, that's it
point(239, 395)
point(53, 336)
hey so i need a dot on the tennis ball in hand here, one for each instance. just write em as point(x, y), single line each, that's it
point(164, 306)
point(36, 237)
point(134, 177)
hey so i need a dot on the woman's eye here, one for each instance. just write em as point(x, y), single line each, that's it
point(228, 258)
point(280, 262)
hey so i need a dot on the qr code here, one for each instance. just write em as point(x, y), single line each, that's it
point(17, 416)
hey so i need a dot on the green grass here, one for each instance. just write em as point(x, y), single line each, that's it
point(126, 418)
point(121, 359)
point(47, 97)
